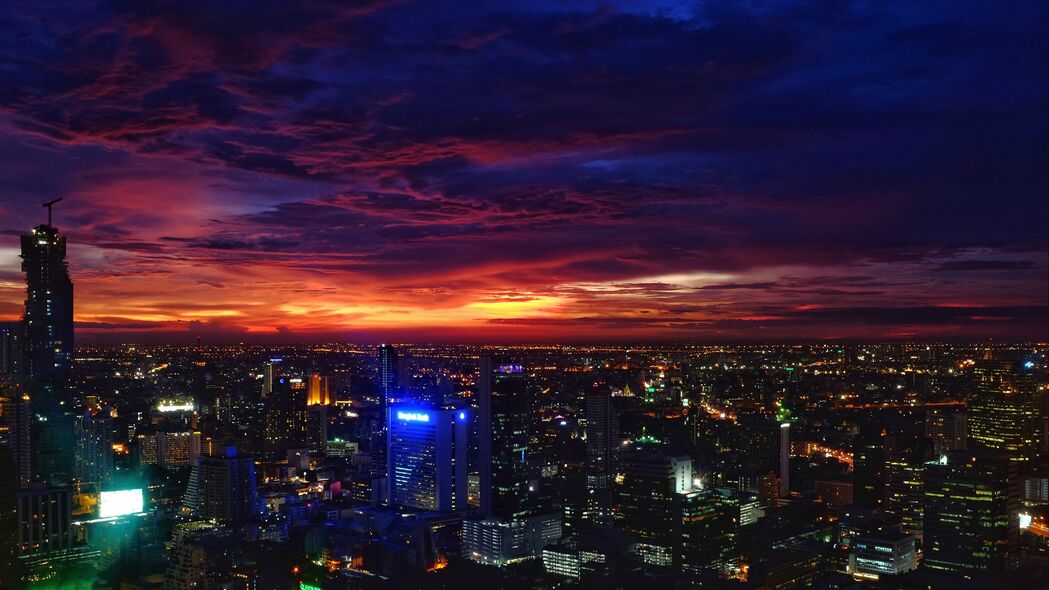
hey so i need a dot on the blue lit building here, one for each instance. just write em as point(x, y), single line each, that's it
point(427, 457)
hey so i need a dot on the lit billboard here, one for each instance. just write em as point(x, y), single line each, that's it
point(120, 502)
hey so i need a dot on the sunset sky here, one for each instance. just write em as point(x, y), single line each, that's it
point(533, 171)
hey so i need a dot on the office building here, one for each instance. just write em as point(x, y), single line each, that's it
point(502, 542)
point(285, 415)
point(886, 554)
point(602, 447)
point(646, 502)
point(868, 457)
point(317, 428)
point(571, 561)
point(505, 414)
point(765, 448)
point(319, 391)
point(223, 488)
point(44, 515)
point(946, 430)
point(1003, 409)
point(388, 374)
point(168, 448)
point(706, 522)
point(93, 454)
point(11, 335)
point(15, 434)
point(905, 457)
point(972, 507)
point(427, 457)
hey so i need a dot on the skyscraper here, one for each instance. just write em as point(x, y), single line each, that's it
point(1003, 409)
point(602, 437)
point(223, 488)
point(388, 374)
point(285, 418)
point(44, 515)
point(506, 409)
point(868, 476)
point(48, 307)
point(602, 447)
point(11, 335)
point(319, 391)
point(93, 454)
point(48, 349)
point(15, 422)
point(946, 430)
point(648, 504)
point(972, 512)
point(427, 455)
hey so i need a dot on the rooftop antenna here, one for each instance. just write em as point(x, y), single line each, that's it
point(48, 205)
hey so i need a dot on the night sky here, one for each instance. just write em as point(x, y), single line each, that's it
point(528, 171)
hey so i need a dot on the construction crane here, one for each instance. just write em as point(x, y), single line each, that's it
point(48, 205)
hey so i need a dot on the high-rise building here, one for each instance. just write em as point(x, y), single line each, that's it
point(44, 515)
point(971, 516)
point(170, 448)
point(427, 457)
point(388, 374)
point(765, 448)
point(47, 349)
point(505, 415)
point(223, 488)
point(602, 438)
point(946, 430)
point(48, 307)
point(646, 501)
point(319, 391)
point(93, 454)
point(602, 446)
point(905, 457)
point(1003, 409)
point(705, 528)
point(285, 416)
point(11, 335)
point(317, 428)
point(15, 434)
point(868, 475)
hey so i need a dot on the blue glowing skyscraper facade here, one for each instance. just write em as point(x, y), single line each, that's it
point(427, 457)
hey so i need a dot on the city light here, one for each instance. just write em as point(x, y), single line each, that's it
point(413, 416)
point(120, 503)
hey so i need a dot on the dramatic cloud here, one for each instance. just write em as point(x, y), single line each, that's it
point(534, 170)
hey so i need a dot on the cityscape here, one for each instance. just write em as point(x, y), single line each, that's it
point(544, 295)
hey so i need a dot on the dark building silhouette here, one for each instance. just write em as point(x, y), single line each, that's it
point(602, 448)
point(868, 478)
point(506, 410)
point(48, 349)
point(223, 488)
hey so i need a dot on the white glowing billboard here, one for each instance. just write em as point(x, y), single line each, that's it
point(120, 502)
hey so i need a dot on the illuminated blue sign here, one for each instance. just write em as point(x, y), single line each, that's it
point(413, 416)
point(511, 369)
point(1029, 365)
point(462, 415)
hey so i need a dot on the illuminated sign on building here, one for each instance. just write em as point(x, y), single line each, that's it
point(170, 407)
point(120, 502)
point(511, 369)
point(413, 416)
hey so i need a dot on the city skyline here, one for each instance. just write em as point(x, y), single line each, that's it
point(541, 172)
